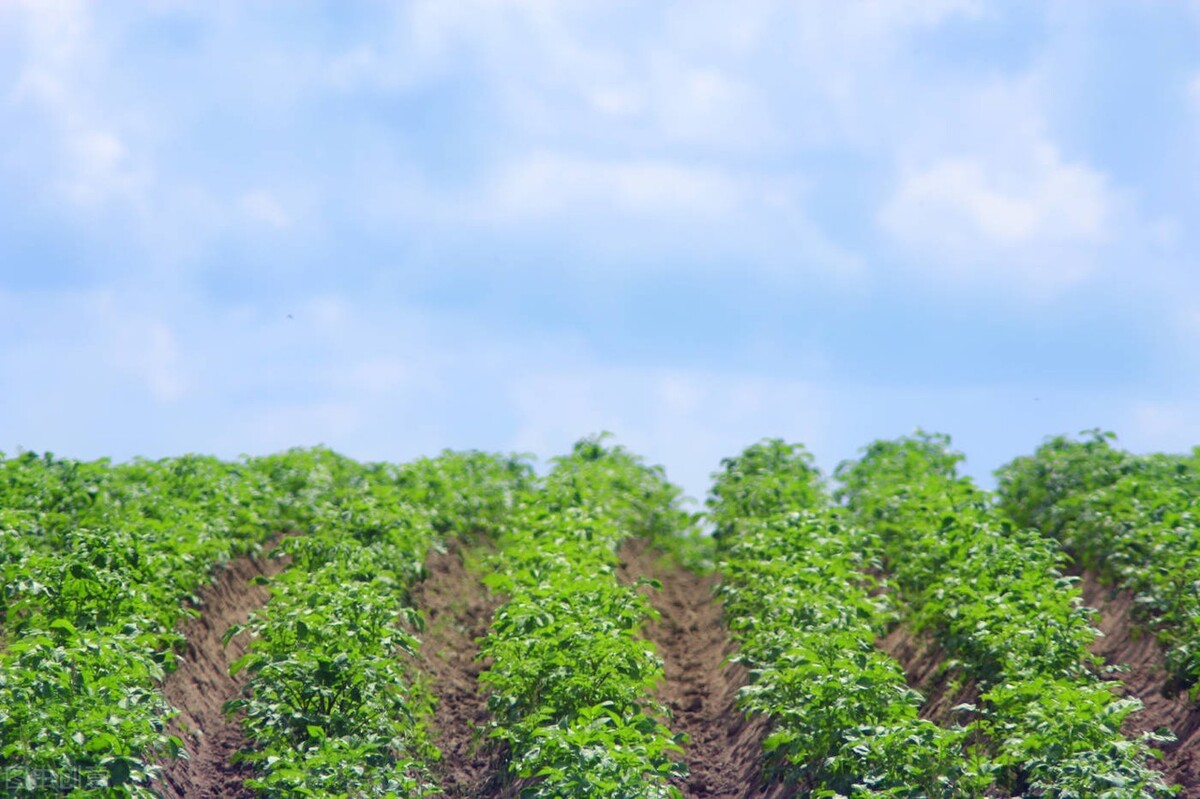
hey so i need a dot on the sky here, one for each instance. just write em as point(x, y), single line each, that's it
point(393, 228)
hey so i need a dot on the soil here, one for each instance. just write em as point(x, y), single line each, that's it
point(458, 609)
point(923, 661)
point(1128, 644)
point(1125, 644)
point(202, 684)
point(724, 749)
point(723, 753)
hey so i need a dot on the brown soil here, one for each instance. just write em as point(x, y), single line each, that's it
point(923, 661)
point(458, 609)
point(1126, 643)
point(724, 749)
point(202, 684)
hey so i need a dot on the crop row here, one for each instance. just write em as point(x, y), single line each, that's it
point(329, 708)
point(1134, 520)
point(802, 609)
point(96, 563)
point(996, 599)
point(333, 706)
point(570, 680)
point(100, 563)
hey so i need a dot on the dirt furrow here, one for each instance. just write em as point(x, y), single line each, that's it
point(202, 684)
point(724, 753)
point(458, 609)
point(1126, 643)
point(923, 661)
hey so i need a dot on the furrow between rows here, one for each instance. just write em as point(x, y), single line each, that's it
point(724, 748)
point(1143, 674)
point(458, 609)
point(202, 684)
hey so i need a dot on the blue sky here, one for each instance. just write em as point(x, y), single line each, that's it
point(503, 224)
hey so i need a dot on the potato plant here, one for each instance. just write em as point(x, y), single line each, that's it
point(799, 601)
point(996, 599)
point(97, 561)
point(1134, 520)
point(333, 707)
point(331, 710)
point(571, 682)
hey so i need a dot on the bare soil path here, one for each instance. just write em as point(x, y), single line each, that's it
point(923, 661)
point(724, 753)
point(202, 684)
point(458, 609)
point(1126, 643)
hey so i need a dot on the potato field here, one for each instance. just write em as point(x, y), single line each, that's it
point(468, 626)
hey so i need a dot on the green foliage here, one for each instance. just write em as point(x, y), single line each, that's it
point(1031, 489)
point(570, 680)
point(905, 463)
point(331, 705)
point(81, 702)
point(805, 614)
point(465, 491)
point(996, 599)
point(843, 718)
point(1063, 738)
point(765, 478)
point(1132, 519)
point(328, 679)
point(100, 562)
point(97, 561)
point(614, 483)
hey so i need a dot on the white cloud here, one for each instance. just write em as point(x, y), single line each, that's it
point(617, 101)
point(545, 185)
point(682, 138)
point(669, 98)
point(390, 376)
point(302, 422)
point(602, 117)
point(154, 375)
point(57, 35)
point(348, 69)
point(693, 73)
point(60, 77)
point(656, 134)
point(99, 339)
point(102, 169)
point(633, 214)
point(1035, 230)
point(159, 376)
point(582, 70)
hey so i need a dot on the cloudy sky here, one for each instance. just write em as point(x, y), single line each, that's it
point(503, 224)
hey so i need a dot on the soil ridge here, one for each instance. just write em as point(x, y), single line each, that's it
point(458, 610)
point(202, 684)
point(724, 750)
point(925, 671)
point(1129, 645)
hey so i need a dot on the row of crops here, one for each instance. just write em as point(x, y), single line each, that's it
point(571, 681)
point(994, 596)
point(96, 563)
point(910, 540)
point(1131, 519)
point(801, 602)
point(101, 563)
